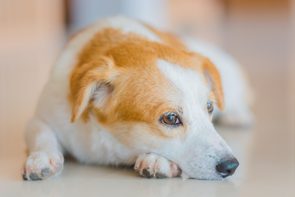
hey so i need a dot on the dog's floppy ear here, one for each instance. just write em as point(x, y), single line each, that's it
point(91, 82)
point(214, 79)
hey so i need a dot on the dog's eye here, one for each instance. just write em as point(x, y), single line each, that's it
point(210, 107)
point(171, 118)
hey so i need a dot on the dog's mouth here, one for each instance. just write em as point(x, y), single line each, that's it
point(223, 169)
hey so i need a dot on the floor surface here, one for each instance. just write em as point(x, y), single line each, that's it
point(266, 150)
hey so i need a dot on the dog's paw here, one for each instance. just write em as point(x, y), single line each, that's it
point(42, 165)
point(154, 166)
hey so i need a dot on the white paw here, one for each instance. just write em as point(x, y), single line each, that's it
point(41, 165)
point(151, 165)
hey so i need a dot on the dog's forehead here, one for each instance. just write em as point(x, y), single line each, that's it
point(190, 84)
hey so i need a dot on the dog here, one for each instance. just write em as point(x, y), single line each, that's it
point(124, 93)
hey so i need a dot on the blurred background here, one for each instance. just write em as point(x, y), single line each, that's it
point(260, 34)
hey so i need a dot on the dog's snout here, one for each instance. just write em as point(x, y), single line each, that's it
point(227, 167)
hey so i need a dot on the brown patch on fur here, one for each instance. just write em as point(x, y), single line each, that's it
point(207, 68)
point(84, 79)
point(123, 61)
point(215, 81)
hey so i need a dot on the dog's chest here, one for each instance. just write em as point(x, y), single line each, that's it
point(90, 144)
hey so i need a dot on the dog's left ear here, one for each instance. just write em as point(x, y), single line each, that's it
point(91, 82)
point(214, 79)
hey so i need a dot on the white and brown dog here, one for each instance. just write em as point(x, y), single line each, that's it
point(124, 93)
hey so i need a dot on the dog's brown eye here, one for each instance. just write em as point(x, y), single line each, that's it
point(210, 107)
point(171, 118)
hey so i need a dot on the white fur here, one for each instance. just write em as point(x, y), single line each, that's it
point(203, 147)
point(130, 26)
point(50, 133)
point(237, 95)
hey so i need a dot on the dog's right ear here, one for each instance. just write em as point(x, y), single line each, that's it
point(91, 82)
point(214, 79)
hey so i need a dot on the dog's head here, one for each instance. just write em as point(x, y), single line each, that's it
point(155, 98)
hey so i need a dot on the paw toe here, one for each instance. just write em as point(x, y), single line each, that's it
point(154, 166)
point(41, 165)
point(46, 172)
point(160, 175)
point(146, 173)
point(35, 177)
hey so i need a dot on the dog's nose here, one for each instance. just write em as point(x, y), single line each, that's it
point(227, 167)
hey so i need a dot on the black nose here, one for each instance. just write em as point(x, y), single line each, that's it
point(227, 167)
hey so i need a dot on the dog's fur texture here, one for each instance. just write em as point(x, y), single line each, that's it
point(108, 90)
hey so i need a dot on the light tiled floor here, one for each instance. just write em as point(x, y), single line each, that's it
point(266, 151)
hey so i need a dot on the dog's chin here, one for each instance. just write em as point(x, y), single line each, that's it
point(214, 177)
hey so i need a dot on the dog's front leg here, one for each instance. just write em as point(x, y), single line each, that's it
point(154, 166)
point(45, 158)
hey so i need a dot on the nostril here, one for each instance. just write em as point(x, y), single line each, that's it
point(227, 167)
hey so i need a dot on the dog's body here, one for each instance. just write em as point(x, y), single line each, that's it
point(115, 119)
